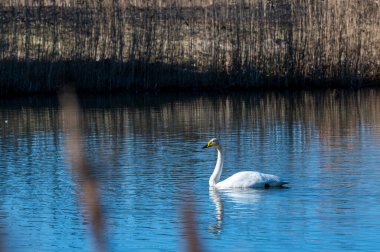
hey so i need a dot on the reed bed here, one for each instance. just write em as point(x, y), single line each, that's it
point(154, 45)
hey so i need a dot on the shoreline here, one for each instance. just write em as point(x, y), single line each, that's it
point(105, 77)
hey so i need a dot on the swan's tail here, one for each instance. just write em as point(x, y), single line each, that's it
point(279, 184)
point(282, 184)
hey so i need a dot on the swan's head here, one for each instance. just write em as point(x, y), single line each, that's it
point(212, 143)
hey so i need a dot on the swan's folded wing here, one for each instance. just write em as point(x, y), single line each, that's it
point(250, 179)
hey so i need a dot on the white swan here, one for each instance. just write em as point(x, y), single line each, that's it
point(245, 179)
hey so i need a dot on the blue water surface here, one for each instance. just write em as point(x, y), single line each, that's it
point(150, 168)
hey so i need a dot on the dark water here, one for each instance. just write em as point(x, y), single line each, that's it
point(149, 158)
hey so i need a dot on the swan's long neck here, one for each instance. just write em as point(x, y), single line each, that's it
point(215, 177)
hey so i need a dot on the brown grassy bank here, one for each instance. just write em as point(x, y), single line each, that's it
point(113, 45)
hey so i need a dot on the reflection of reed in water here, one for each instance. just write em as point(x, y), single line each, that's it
point(149, 116)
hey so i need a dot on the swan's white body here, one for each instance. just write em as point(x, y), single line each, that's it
point(244, 179)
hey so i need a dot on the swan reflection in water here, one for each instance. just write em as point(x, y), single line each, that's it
point(249, 197)
point(219, 211)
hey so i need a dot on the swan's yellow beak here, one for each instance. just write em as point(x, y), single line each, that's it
point(209, 144)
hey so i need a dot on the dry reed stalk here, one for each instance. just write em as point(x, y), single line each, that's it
point(193, 243)
point(80, 167)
